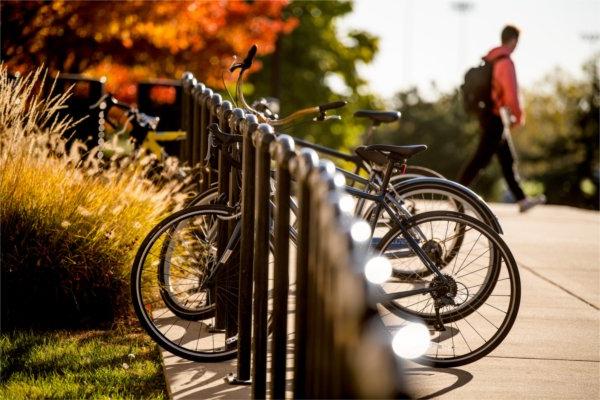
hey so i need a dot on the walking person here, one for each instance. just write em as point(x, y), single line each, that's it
point(500, 100)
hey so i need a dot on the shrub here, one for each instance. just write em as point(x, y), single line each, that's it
point(69, 223)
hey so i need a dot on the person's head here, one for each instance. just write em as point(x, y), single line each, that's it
point(510, 37)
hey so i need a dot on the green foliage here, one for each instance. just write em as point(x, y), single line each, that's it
point(305, 62)
point(559, 144)
point(69, 225)
point(115, 364)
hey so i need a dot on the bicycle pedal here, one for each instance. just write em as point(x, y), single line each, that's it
point(231, 340)
point(438, 325)
point(215, 330)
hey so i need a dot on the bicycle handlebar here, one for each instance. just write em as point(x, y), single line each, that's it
point(112, 101)
point(248, 60)
point(141, 119)
point(332, 105)
point(318, 111)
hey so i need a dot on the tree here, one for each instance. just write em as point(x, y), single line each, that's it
point(134, 39)
point(301, 70)
point(559, 144)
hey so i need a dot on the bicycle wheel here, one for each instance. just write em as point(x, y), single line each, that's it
point(169, 272)
point(423, 195)
point(415, 171)
point(477, 305)
point(207, 197)
point(190, 311)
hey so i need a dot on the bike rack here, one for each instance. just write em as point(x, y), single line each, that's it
point(340, 348)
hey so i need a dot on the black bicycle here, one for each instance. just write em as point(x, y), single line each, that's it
point(469, 299)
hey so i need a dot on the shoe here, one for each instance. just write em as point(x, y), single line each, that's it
point(530, 202)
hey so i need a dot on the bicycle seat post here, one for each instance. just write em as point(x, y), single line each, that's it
point(386, 177)
point(370, 132)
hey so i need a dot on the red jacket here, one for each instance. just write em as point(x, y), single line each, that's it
point(504, 83)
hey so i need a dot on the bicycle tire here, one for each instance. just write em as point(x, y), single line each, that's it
point(207, 197)
point(415, 171)
point(498, 289)
point(170, 329)
point(437, 195)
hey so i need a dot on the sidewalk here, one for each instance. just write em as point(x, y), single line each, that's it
point(553, 350)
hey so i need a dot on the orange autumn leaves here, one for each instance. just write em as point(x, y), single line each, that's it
point(135, 40)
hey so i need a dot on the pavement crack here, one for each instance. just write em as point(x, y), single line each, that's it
point(558, 286)
point(545, 359)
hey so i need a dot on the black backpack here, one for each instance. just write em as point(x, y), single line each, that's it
point(477, 88)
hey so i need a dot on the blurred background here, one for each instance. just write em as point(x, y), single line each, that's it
point(406, 55)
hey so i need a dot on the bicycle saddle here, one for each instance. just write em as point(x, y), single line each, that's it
point(371, 156)
point(378, 117)
point(398, 153)
point(377, 152)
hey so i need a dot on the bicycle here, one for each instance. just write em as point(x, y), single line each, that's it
point(230, 249)
point(218, 279)
point(143, 133)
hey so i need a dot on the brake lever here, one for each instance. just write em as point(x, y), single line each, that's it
point(234, 65)
point(323, 117)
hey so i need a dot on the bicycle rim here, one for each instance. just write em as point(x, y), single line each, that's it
point(209, 335)
point(487, 293)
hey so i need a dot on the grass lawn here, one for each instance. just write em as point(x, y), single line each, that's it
point(122, 363)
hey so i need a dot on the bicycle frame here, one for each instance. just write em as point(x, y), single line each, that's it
point(381, 200)
point(152, 139)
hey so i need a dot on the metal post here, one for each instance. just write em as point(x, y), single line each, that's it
point(186, 80)
point(234, 124)
point(204, 122)
point(197, 118)
point(248, 127)
point(263, 136)
point(320, 182)
point(281, 150)
point(226, 312)
point(187, 153)
point(213, 118)
point(301, 166)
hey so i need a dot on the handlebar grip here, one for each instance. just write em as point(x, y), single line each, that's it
point(332, 105)
point(247, 63)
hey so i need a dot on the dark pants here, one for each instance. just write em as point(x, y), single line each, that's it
point(492, 142)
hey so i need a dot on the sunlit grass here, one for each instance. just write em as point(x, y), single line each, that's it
point(70, 224)
point(75, 365)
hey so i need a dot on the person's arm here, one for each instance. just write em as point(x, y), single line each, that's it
point(505, 74)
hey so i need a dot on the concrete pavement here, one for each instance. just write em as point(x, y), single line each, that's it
point(553, 349)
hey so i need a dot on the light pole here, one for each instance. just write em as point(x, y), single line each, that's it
point(462, 8)
point(592, 38)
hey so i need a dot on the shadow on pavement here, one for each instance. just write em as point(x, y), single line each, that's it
point(420, 374)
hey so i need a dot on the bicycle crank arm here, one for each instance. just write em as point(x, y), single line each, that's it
point(400, 295)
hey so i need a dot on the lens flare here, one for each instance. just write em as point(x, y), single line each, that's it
point(360, 231)
point(411, 341)
point(347, 203)
point(378, 270)
point(339, 180)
